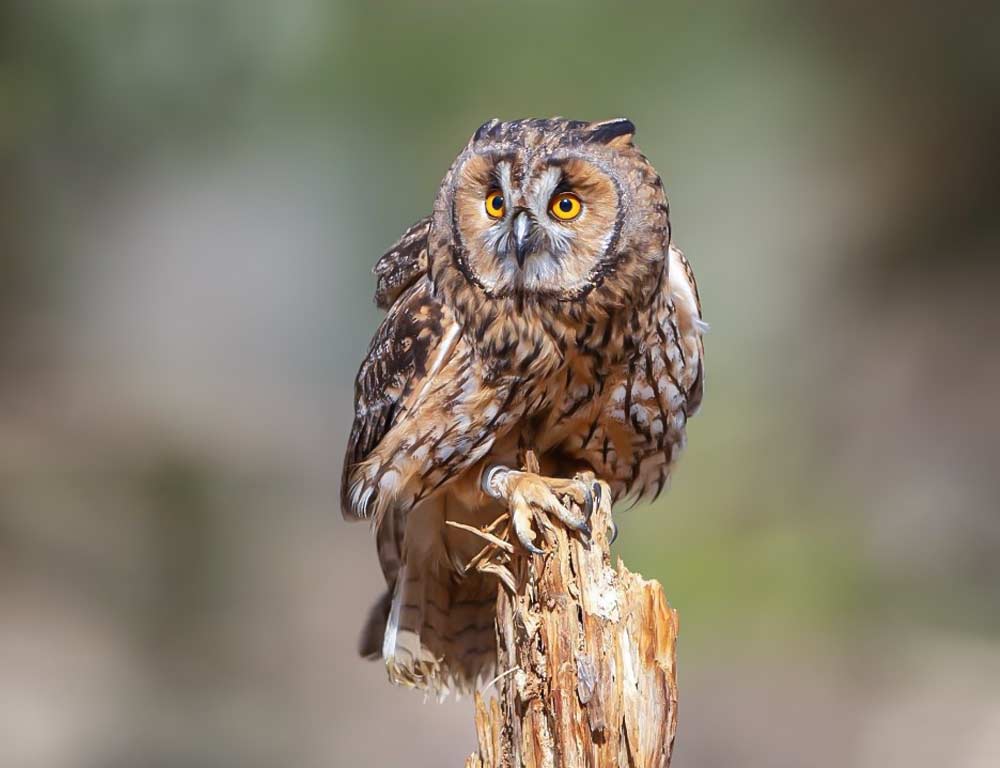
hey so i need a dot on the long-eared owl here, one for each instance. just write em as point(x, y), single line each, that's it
point(542, 304)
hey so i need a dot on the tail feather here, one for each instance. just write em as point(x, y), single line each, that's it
point(370, 643)
point(435, 626)
point(435, 633)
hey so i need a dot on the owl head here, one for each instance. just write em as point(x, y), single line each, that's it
point(549, 209)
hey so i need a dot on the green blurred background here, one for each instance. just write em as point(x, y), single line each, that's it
point(192, 195)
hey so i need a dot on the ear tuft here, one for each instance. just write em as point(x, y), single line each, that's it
point(487, 129)
point(617, 132)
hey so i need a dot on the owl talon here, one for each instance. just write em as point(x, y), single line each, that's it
point(528, 494)
point(600, 494)
point(530, 546)
point(572, 522)
point(523, 531)
point(597, 498)
point(589, 505)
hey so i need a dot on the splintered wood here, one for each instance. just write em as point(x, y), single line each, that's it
point(586, 672)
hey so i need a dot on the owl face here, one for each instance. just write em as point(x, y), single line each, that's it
point(538, 207)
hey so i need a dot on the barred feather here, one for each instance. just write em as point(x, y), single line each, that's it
point(590, 352)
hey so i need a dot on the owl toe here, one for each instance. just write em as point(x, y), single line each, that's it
point(521, 517)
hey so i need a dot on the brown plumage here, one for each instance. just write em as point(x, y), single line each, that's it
point(541, 305)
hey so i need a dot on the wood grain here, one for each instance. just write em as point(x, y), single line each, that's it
point(586, 663)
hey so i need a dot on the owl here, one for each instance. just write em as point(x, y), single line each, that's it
point(542, 305)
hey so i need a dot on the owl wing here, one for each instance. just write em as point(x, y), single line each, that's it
point(425, 409)
point(402, 264)
point(690, 326)
point(398, 358)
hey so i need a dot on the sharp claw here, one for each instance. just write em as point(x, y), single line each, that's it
point(590, 502)
point(563, 513)
point(533, 498)
point(530, 546)
point(570, 520)
point(614, 531)
point(524, 534)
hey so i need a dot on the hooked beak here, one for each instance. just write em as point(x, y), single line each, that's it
point(522, 229)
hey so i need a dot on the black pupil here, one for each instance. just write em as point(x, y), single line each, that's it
point(565, 205)
point(496, 202)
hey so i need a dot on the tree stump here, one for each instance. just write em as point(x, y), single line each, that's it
point(586, 662)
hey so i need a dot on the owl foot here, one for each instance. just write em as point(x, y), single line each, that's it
point(600, 491)
point(532, 497)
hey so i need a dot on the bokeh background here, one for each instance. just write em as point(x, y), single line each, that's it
point(192, 195)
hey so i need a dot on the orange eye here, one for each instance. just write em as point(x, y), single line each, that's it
point(565, 206)
point(494, 203)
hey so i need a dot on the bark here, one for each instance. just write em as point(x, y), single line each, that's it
point(586, 671)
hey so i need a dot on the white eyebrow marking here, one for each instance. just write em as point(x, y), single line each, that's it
point(544, 186)
point(503, 171)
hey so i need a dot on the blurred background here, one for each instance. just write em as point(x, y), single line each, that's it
point(192, 195)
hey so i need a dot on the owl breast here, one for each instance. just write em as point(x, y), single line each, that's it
point(619, 400)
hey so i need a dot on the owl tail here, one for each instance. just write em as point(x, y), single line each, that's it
point(435, 631)
point(370, 644)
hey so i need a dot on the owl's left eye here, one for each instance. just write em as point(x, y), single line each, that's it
point(565, 206)
point(495, 203)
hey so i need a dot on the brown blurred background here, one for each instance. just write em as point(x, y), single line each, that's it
point(191, 197)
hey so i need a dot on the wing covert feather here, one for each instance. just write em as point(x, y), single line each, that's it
point(424, 409)
point(397, 361)
point(401, 265)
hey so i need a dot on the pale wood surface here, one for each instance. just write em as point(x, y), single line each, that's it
point(586, 663)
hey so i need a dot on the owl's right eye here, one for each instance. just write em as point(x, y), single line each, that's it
point(494, 203)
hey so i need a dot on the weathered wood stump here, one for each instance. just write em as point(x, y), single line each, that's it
point(586, 671)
